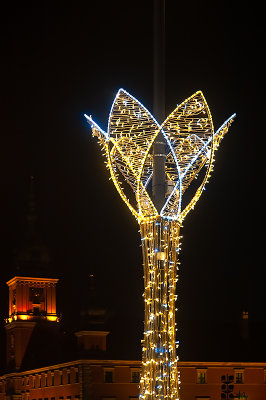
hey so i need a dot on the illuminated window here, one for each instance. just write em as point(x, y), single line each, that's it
point(108, 376)
point(239, 376)
point(135, 376)
point(201, 376)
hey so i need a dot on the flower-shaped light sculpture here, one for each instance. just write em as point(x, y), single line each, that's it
point(190, 144)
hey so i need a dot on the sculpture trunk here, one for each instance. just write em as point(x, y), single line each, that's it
point(160, 245)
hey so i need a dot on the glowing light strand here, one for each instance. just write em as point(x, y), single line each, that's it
point(178, 125)
point(160, 245)
point(127, 145)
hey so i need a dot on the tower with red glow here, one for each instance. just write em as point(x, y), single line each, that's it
point(31, 301)
point(32, 291)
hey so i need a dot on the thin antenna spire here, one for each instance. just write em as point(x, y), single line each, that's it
point(31, 213)
point(159, 146)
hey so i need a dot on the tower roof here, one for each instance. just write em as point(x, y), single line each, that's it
point(92, 311)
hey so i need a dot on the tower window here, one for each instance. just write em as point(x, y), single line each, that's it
point(36, 295)
point(14, 297)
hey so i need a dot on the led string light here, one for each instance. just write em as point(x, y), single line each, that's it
point(127, 144)
point(188, 134)
point(191, 143)
point(160, 245)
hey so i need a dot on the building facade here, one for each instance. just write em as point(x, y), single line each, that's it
point(118, 380)
point(32, 325)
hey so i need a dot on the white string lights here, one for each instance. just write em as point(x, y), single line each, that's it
point(127, 144)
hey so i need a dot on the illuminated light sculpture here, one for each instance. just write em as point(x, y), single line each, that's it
point(190, 146)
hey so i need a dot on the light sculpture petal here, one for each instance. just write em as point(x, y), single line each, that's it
point(131, 129)
point(189, 127)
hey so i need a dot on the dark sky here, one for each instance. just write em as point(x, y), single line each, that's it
point(62, 59)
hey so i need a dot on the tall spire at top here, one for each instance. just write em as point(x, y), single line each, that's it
point(31, 216)
point(32, 257)
point(159, 145)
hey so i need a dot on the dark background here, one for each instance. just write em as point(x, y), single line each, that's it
point(62, 59)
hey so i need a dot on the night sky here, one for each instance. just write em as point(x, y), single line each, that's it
point(60, 60)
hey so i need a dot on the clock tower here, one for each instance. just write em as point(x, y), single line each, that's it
point(32, 291)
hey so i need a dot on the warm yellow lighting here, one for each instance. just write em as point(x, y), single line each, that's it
point(190, 140)
point(159, 376)
point(190, 145)
point(23, 317)
point(52, 318)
